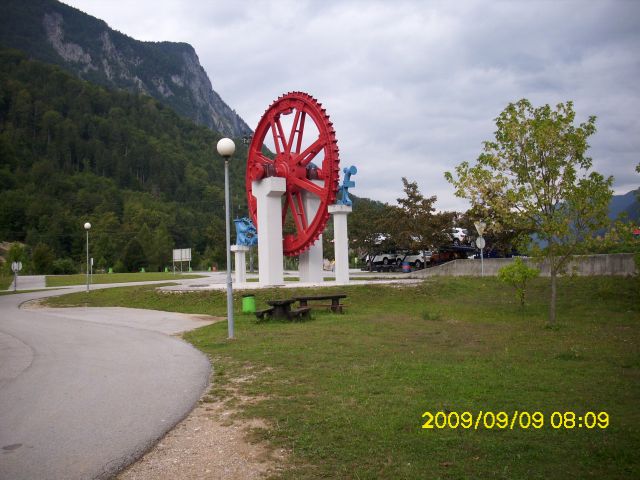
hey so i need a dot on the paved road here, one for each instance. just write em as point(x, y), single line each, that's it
point(82, 394)
point(28, 282)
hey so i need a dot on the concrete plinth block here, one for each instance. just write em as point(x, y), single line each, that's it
point(310, 262)
point(240, 252)
point(341, 241)
point(270, 257)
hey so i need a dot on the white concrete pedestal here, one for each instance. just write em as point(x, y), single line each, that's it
point(240, 262)
point(310, 262)
point(268, 192)
point(341, 241)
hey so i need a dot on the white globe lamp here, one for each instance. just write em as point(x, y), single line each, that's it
point(226, 147)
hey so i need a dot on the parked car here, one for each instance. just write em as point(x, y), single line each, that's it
point(446, 255)
point(417, 260)
point(385, 258)
point(459, 236)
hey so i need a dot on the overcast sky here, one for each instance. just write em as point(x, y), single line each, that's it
point(413, 87)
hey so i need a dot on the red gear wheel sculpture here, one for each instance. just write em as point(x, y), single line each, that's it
point(295, 164)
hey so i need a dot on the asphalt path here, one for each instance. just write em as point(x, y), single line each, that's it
point(28, 282)
point(85, 393)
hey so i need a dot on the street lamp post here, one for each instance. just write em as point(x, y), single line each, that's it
point(480, 243)
point(87, 227)
point(225, 148)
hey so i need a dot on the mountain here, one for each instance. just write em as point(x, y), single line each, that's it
point(53, 32)
point(147, 179)
point(627, 204)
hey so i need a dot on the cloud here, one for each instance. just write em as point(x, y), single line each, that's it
point(411, 86)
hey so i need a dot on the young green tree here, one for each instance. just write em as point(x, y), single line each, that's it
point(517, 274)
point(535, 176)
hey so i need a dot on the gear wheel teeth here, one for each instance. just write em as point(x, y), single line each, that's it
point(301, 101)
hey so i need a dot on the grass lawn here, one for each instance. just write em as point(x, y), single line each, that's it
point(81, 278)
point(345, 394)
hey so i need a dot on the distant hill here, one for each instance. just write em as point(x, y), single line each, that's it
point(52, 32)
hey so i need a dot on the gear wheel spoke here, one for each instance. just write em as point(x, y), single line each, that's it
point(278, 136)
point(308, 185)
point(297, 127)
point(311, 151)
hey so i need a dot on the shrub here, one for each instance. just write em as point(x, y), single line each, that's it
point(64, 266)
point(517, 274)
point(42, 259)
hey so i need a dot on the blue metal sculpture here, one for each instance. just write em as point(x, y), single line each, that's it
point(347, 183)
point(246, 233)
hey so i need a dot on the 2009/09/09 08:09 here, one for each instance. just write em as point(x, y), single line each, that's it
point(516, 419)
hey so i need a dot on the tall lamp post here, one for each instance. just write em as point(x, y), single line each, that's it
point(480, 243)
point(225, 148)
point(87, 227)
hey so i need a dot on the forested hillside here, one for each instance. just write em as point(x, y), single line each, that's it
point(71, 152)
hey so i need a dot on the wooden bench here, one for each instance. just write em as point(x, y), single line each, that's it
point(281, 309)
point(300, 313)
point(264, 314)
point(335, 305)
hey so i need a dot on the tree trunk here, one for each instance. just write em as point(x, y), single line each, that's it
point(552, 303)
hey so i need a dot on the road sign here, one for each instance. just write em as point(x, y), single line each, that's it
point(16, 267)
point(480, 226)
point(480, 243)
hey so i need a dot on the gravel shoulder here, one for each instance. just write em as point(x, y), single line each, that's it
point(209, 444)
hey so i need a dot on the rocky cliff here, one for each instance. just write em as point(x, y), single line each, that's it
point(170, 72)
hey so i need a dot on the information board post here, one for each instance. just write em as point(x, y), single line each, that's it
point(181, 255)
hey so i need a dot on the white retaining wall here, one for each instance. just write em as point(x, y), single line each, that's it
point(609, 264)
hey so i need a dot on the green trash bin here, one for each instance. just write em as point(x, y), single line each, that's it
point(248, 304)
